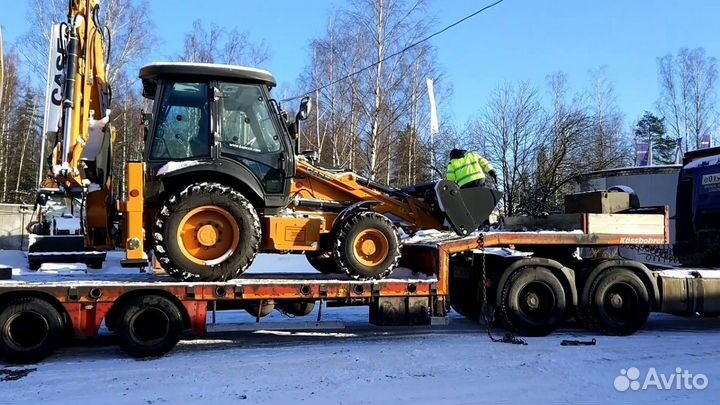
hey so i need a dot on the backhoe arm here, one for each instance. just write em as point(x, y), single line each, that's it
point(81, 160)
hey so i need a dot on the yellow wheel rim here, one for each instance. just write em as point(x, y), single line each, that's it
point(208, 235)
point(371, 247)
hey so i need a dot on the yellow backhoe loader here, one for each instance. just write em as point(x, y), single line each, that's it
point(222, 178)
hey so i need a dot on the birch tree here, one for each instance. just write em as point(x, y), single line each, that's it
point(508, 134)
point(217, 44)
point(688, 94)
point(128, 35)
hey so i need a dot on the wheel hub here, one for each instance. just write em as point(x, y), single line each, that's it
point(367, 247)
point(533, 301)
point(372, 247)
point(616, 301)
point(537, 301)
point(26, 330)
point(207, 235)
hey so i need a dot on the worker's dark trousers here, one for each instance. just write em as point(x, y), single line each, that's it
point(475, 183)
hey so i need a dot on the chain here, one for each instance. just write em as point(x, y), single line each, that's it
point(485, 307)
point(487, 313)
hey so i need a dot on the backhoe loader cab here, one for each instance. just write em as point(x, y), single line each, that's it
point(224, 181)
point(218, 119)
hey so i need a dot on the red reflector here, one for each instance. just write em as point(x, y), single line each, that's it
point(134, 193)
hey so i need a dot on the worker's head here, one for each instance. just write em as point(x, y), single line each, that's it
point(457, 153)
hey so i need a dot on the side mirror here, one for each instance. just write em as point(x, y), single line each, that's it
point(305, 107)
point(145, 118)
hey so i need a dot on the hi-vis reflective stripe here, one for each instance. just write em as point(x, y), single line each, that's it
point(470, 177)
point(464, 166)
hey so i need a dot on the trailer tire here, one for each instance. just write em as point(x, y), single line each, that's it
point(253, 308)
point(296, 307)
point(233, 230)
point(31, 329)
point(533, 302)
point(367, 246)
point(323, 261)
point(585, 318)
point(149, 326)
point(619, 302)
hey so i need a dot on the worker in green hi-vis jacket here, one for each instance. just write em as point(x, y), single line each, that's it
point(468, 169)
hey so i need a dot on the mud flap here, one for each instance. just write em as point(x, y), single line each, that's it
point(465, 209)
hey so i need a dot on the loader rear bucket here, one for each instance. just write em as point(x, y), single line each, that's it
point(465, 209)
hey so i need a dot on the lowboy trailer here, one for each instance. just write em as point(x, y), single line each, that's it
point(532, 281)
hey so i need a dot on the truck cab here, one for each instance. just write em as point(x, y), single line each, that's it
point(217, 121)
point(698, 208)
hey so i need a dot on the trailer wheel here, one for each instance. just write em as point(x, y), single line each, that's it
point(323, 261)
point(619, 302)
point(367, 246)
point(149, 326)
point(296, 308)
point(30, 330)
point(206, 232)
point(253, 308)
point(533, 302)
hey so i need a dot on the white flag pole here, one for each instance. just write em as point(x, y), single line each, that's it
point(434, 126)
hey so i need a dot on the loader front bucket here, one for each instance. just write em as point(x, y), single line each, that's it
point(465, 209)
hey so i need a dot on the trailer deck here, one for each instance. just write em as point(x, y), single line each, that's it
point(416, 293)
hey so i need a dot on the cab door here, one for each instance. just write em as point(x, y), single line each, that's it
point(249, 133)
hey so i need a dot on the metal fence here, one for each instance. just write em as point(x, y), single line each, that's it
point(14, 218)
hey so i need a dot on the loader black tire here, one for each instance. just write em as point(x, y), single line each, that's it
point(149, 326)
point(533, 302)
point(376, 265)
point(230, 208)
point(618, 302)
point(31, 329)
point(323, 261)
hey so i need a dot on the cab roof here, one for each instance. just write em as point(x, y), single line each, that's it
point(150, 73)
point(207, 70)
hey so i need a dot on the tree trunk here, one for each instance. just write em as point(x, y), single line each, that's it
point(30, 122)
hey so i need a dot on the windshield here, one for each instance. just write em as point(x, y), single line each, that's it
point(246, 123)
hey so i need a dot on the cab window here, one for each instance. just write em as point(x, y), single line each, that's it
point(182, 129)
point(246, 123)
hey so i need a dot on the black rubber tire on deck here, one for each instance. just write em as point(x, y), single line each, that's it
point(323, 262)
point(634, 310)
point(167, 248)
point(515, 312)
point(149, 326)
point(343, 249)
point(30, 330)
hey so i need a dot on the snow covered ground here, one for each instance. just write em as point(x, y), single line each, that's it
point(355, 363)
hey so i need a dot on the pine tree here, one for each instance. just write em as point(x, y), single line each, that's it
point(651, 129)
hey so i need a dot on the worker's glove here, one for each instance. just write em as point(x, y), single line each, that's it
point(493, 175)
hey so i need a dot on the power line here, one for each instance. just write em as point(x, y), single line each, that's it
point(414, 44)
